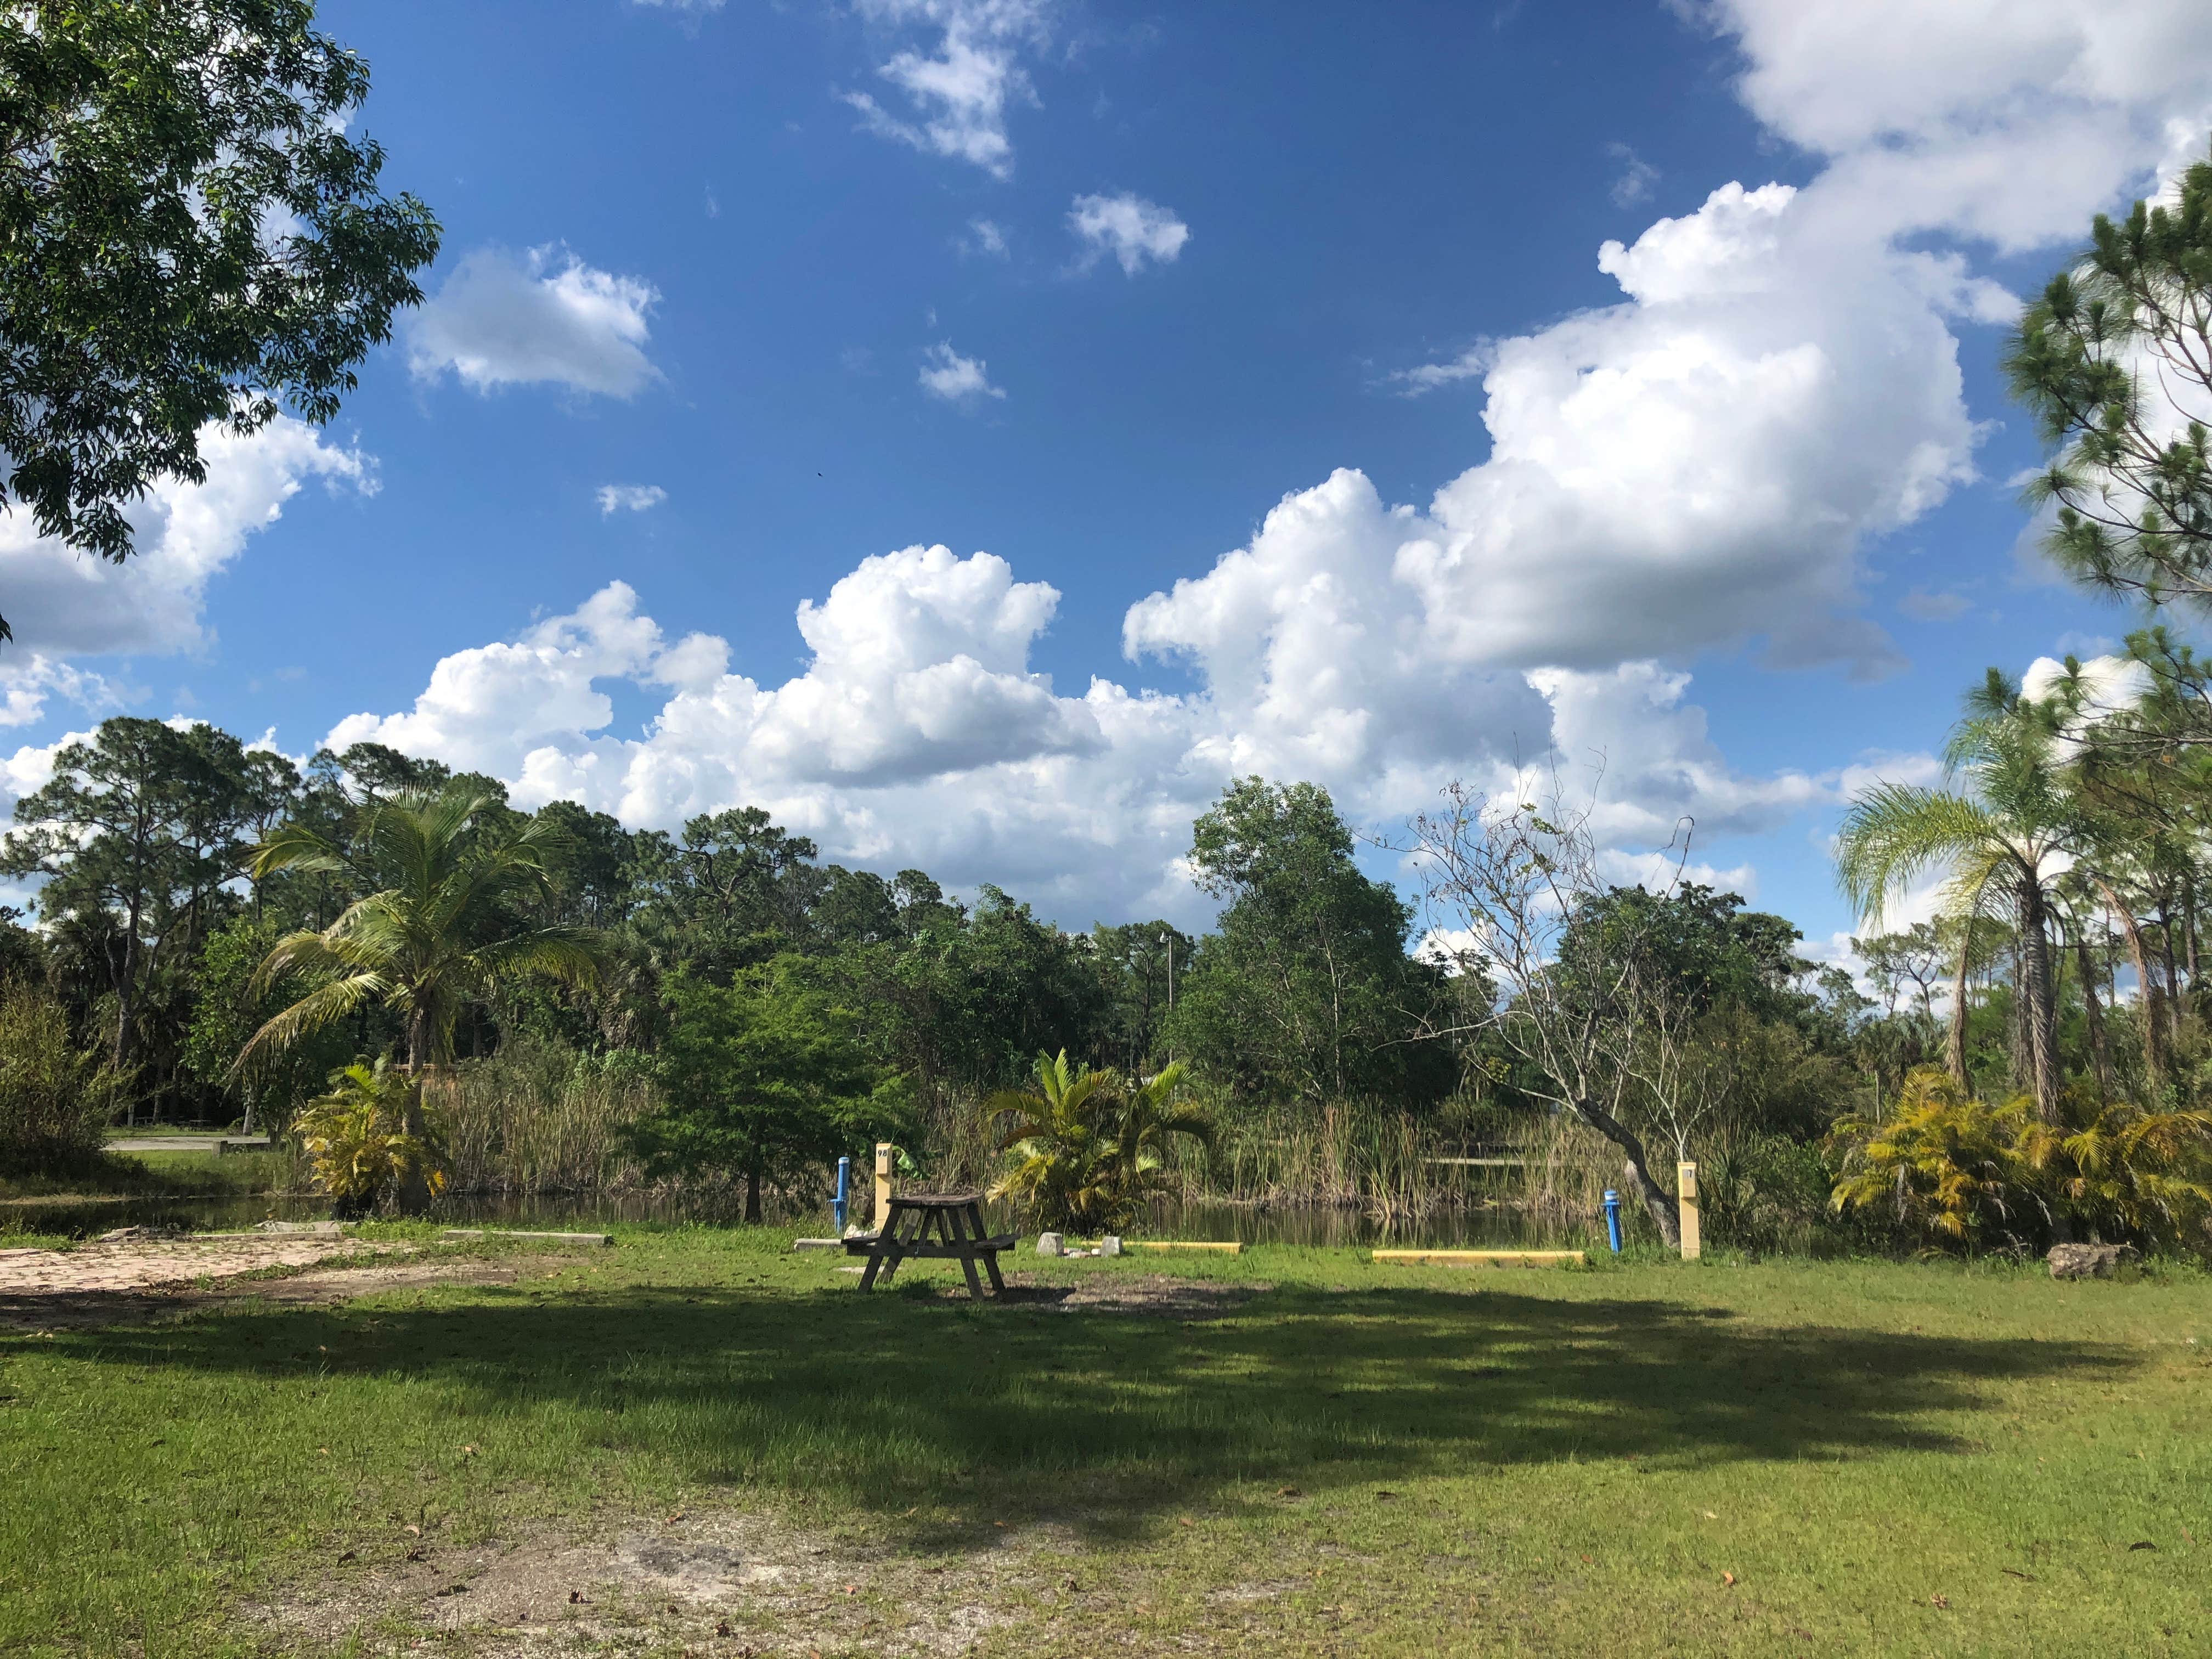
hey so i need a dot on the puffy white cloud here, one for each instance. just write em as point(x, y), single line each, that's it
point(25, 685)
point(1662, 773)
point(540, 317)
point(1701, 463)
point(2009, 119)
point(921, 733)
point(62, 603)
point(987, 237)
point(945, 373)
point(1697, 466)
point(1130, 229)
point(960, 89)
point(1915, 769)
point(28, 769)
point(629, 498)
point(2108, 685)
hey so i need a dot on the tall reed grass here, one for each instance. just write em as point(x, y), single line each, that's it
point(1359, 1154)
point(539, 1117)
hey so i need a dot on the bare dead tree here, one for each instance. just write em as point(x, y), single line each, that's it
point(1507, 878)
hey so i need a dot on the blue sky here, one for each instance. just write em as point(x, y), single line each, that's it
point(1093, 289)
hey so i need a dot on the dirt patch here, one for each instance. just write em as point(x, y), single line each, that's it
point(726, 1584)
point(1158, 1294)
point(108, 1296)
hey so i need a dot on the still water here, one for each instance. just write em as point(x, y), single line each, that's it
point(1489, 1227)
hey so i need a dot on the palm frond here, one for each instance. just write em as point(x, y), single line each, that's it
point(323, 1006)
point(295, 847)
point(1895, 833)
point(573, 956)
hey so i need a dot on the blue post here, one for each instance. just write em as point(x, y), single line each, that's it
point(844, 1181)
point(1612, 1219)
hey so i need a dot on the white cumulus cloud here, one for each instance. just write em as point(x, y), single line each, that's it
point(958, 90)
point(945, 373)
point(65, 604)
point(922, 732)
point(1697, 466)
point(2008, 119)
point(542, 317)
point(629, 498)
point(1130, 229)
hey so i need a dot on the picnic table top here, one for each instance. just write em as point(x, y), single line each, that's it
point(937, 1201)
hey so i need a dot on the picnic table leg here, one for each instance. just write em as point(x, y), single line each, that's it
point(886, 1252)
point(883, 1259)
point(990, 1257)
point(905, 1228)
point(966, 1247)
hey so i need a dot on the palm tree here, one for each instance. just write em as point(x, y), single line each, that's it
point(435, 932)
point(2009, 834)
point(1061, 1137)
point(1089, 1145)
point(1148, 1116)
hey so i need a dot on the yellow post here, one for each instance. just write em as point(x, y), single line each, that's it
point(884, 1150)
point(1686, 1176)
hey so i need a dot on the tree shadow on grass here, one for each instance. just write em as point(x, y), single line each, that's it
point(1104, 1421)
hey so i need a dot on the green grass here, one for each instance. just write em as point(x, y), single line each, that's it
point(155, 1175)
point(1573, 1460)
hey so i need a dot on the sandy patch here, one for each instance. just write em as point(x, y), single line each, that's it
point(725, 1584)
point(132, 1283)
point(149, 1263)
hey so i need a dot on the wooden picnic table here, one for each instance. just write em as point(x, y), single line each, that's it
point(933, 1226)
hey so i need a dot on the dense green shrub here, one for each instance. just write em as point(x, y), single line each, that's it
point(55, 1100)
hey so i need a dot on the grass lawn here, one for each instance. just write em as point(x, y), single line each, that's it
point(152, 1175)
point(1644, 1458)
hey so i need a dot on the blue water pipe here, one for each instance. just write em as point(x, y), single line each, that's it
point(1612, 1219)
point(844, 1186)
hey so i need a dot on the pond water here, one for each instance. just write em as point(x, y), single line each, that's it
point(1495, 1226)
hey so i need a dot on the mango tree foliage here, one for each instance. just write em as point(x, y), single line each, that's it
point(764, 1078)
point(189, 237)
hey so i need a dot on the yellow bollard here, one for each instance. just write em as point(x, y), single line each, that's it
point(1686, 1177)
point(883, 1151)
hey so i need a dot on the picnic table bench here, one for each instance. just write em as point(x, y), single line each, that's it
point(933, 1226)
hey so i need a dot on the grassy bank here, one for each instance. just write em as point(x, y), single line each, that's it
point(160, 1175)
point(1823, 1457)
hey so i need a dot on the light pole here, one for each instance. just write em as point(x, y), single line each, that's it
point(1167, 938)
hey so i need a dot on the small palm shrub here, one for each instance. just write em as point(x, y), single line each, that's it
point(1941, 1164)
point(1959, 1171)
point(55, 1100)
point(2128, 1173)
point(1088, 1145)
point(357, 1140)
point(1767, 1191)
